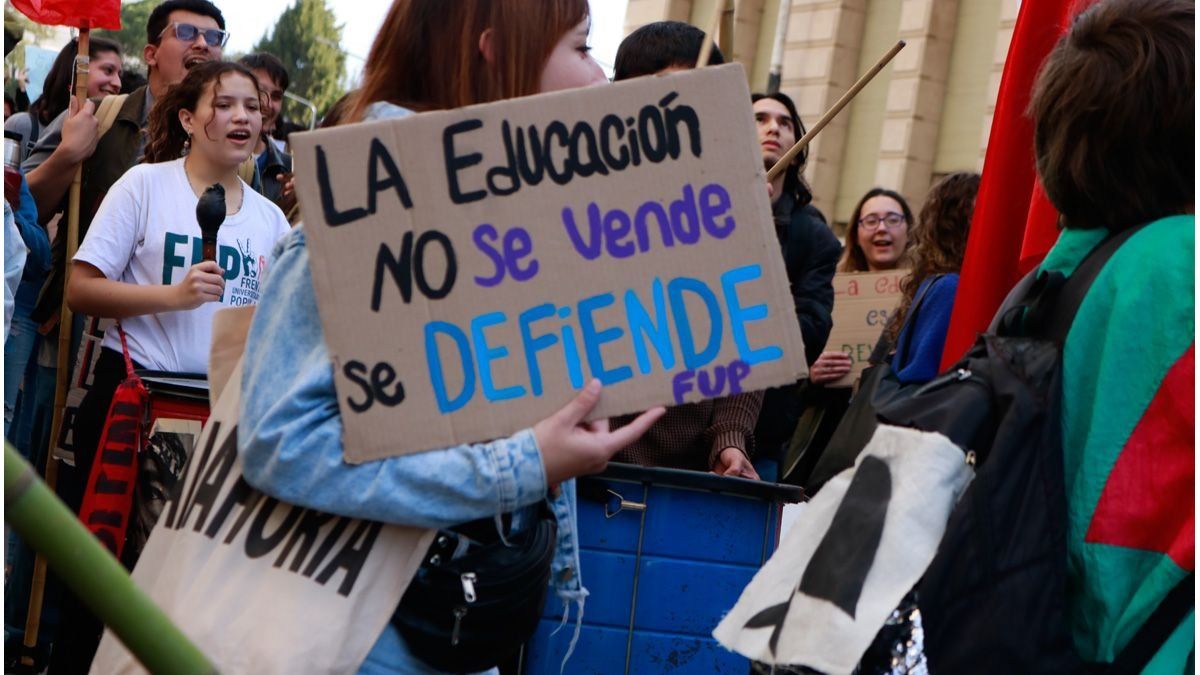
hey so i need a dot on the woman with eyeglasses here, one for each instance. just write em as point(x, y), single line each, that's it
point(876, 241)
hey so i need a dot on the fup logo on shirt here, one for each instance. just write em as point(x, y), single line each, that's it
point(244, 270)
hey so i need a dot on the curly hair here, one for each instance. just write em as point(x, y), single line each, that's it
point(939, 240)
point(165, 134)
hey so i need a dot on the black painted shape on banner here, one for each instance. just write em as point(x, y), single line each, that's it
point(771, 617)
point(839, 566)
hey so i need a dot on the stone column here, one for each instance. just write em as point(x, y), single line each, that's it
point(819, 65)
point(642, 12)
point(915, 96)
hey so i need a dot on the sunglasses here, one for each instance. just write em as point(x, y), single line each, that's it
point(213, 37)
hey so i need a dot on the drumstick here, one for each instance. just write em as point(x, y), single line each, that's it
point(832, 112)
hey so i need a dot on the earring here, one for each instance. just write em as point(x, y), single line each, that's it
point(187, 145)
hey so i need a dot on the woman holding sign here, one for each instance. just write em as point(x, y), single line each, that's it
point(430, 55)
point(876, 241)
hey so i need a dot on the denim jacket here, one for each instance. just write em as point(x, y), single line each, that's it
point(290, 440)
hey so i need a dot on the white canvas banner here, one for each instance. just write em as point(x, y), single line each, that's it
point(857, 549)
point(262, 586)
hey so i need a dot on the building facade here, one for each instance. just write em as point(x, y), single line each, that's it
point(928, 113)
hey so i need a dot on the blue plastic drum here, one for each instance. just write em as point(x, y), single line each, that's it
point(665, 553)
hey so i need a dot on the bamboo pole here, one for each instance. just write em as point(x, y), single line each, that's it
point(33, 619)
point(727, 30)
point(714, 22)
point(42, 520)
point(832, 112)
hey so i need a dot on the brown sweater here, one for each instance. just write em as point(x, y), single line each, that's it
point(692, 436)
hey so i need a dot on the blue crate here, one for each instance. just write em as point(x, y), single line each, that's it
point(665, 553)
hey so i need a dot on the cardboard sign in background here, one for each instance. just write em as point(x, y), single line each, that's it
point(862, 304)
point(474, 268)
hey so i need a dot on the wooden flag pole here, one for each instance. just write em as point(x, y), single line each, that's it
point(713, 22)
point(33, 619)
point(832, 112)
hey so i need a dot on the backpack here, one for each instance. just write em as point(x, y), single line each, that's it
point(993, 600)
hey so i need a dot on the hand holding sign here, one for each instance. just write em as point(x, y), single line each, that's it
point(572, 447)
point(830, 367)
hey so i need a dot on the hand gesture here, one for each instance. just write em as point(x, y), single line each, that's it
point(733, 462)
point(205, 282)
point(830, 367)
point(571, 447)
point(80, 132)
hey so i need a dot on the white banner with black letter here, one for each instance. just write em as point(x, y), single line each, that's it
point(859, 546)
point(262, 586)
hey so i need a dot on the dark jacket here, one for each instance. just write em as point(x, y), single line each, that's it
point(810, 255)
point(271, 164)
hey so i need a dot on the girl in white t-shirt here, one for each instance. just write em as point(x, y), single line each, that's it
point(141, 259)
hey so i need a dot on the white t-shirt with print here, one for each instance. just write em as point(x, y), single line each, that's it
point(146, 233)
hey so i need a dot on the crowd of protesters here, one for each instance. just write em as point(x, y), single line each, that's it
point(150, 151)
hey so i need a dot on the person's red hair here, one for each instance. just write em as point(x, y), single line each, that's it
point(427, 55)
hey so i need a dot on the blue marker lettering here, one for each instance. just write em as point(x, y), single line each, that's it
point(739, 316)
point(534, 345)
point(693, 360)
point(484, 355)
point(592, 339)
point(641, 327)
point(437, 375)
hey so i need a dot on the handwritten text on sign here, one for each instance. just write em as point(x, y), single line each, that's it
point(474, 268)
point(863, 302)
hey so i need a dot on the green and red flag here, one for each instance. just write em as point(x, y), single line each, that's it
point(82, 14)
point(1129, 424)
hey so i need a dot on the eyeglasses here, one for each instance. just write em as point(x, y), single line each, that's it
point(213, 37)
point(872, 221)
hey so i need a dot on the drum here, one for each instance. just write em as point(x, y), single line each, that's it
point(664, 554)
point(175, 396)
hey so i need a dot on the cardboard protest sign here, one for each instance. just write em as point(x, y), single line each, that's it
point(862, 304)
point(474, 268)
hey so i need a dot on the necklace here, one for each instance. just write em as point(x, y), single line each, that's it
point(191, 184)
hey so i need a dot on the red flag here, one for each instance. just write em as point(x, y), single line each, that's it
point(83, 14)
point(1014, 224)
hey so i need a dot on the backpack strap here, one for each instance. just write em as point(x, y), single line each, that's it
point(1154, 632)
point(248, 170)
point(1052, 300)
point(107, 111)
point(35, 131)
point(910, 319)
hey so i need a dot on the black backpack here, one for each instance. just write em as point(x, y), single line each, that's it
point(994, 598)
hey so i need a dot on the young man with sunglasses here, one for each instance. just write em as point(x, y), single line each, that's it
point(179, 34)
